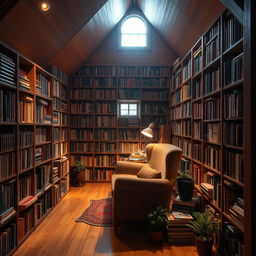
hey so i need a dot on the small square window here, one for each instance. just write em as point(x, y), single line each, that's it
point(129, 109)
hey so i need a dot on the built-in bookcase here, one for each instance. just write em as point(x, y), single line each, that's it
point(34, 167)
point(98, 135)
point(207, 123)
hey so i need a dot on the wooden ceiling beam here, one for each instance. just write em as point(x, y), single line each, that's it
point(234, 9)
point(6, 6)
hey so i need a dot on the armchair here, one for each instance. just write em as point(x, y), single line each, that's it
point(134, 197)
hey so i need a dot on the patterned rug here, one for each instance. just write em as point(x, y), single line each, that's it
point(99, 213)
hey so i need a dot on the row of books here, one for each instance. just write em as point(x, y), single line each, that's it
point(186, 109)
point(81, 94)
point(58, 90)
point(59, 149)
point(7, 140)
point(59, 118)
point(25, 137)
point(42, 135)
point(98, 174)
point(25, 223)
point(212, 81)
point(197, 130)
point(43, 177)
point(233, 104)
point(26, 158)
point(80, 147)
point(154, 108)
point(42, 84)
point(7, 105)
point(7, 164)
point(212, 108)
point(233, 69)
point(59, 105)
point(104, 160)
point(7, 70)
point(105, 147)
point(7, 195)
point(43, 153)
point(25, 188)
point(212, 132)
point(8, 238)
point(43, 112)
point(26, 109)
point(187, 70)
point(232, 30)
point(60, 134)
point(87, 134)
point(58, 73)
point(197, 60)
point(24, 82)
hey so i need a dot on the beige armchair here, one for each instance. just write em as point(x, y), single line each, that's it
point(134, 197)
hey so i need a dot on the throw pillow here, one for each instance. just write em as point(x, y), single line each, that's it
point(148, 173)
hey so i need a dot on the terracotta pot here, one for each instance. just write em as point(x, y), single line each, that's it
point(156, 237)
point(204, 248)
point(80, 178)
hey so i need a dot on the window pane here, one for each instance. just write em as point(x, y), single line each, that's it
point(124, 112)
point(133, 106)
point(134, 25)
point(124, 106)
point(133, 113)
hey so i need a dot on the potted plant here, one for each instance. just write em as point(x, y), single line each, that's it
point(185, 185)
point(158, 221)
point(79, 172)
point(205, 226)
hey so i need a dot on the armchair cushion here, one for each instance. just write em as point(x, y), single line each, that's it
point(148, 173)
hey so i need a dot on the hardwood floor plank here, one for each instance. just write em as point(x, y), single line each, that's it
point(59, 234)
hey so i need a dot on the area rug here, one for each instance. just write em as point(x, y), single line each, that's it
point(99, 213)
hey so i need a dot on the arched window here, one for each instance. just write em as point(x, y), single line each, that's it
point(134, 32)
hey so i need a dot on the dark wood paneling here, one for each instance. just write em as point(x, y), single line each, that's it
point(6, 6)
point(109, 54)
point(91, 35)
point(40, 35)
point(250, 126)
point(181, 23)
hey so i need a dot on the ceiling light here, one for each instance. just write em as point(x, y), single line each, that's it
point(45, 6)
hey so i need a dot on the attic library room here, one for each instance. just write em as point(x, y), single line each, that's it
point(127, 127)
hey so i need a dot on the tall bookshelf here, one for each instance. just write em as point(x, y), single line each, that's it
point(98, 135)
point(34, 169)
point(207, 123)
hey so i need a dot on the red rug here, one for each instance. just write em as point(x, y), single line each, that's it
point(99, 213)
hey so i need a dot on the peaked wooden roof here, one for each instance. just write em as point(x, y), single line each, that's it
point(72, 30)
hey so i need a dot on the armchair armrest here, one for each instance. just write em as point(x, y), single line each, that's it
point(125, 167)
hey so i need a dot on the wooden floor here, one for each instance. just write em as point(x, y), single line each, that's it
point(59, 234)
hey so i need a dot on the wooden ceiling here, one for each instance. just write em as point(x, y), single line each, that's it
point(68, 34)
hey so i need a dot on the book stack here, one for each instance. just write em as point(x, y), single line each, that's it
point(23, 80)
point(55, 173)
point(185, 206)
point(237, 212)
point(178, 232)
point(4, 216)
point(27, 201)
point(7, 70)
point(207, 189)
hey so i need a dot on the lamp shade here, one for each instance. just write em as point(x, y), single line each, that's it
point(149, 130)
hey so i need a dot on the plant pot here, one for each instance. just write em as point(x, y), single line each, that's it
point(80, 179)
point(156, 236)
point(185, 189)
point(204, 248)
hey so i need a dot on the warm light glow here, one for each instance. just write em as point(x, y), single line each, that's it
point(148, 132)
point(45, 6)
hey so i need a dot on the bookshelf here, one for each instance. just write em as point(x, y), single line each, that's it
point(98, 135)
point(207, 123)
point(34, 169)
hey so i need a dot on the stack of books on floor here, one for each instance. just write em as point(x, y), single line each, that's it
point(178, 232)
point(186, 206)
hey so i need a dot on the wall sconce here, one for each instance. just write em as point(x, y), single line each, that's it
point(45, 5)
